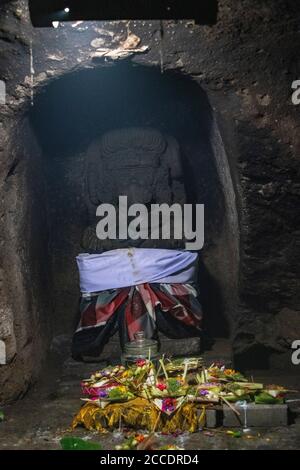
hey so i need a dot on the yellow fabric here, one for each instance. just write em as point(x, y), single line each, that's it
point(139, 414)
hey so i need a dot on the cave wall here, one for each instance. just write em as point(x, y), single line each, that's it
point(25, 306)
point(246, 64)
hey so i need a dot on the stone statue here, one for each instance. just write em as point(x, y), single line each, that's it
point(142, 164)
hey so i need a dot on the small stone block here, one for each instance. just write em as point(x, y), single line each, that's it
point(256, 416)
point(211, 418)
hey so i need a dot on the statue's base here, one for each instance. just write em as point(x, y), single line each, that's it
point(179, 347)
point(220, 352)
point(169, 347)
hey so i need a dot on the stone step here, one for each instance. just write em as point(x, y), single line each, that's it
point(257, 416)
point(265, 416)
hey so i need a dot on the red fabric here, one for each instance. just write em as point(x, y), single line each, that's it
point(176, 300)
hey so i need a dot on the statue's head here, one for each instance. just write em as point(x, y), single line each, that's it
point(140, 163)
point(136, 162)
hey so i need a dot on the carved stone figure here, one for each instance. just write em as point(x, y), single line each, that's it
point(142, 164)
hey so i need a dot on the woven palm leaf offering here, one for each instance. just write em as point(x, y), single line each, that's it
point(178, 366)
point(219, 384)
point(106, 386)
point(167, 396)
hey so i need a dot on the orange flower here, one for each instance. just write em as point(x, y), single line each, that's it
point(229, 372)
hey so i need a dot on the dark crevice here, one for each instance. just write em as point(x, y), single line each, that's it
point(13, 168)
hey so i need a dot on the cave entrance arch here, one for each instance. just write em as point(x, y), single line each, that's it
point(76, 108)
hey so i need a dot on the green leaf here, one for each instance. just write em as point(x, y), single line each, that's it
point(1, 416)
point(173, 385)
point(266, 399)
point(76, 443)
point(236, 434)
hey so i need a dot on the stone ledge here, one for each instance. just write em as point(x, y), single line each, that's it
point(256, 416)
point(263, 416)
point(168, 346)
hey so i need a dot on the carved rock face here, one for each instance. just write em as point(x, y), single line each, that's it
point(140, 163)
point(131, 159)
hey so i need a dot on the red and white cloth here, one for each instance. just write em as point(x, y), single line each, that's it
point(172, 308)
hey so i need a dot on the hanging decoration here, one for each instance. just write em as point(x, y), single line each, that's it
point(32, 72)
point(161, 46)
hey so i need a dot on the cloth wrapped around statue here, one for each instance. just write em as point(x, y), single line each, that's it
point(136, 289)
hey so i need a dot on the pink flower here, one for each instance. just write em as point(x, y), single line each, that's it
point(161, 386)
point(140, 362)
point(169, 404)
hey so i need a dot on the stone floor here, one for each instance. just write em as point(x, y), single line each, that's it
point(43, 416)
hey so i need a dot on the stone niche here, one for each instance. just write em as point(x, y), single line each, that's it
point(47, 184)
point(77, 110)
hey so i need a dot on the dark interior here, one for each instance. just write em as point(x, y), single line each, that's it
point(72, 111)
